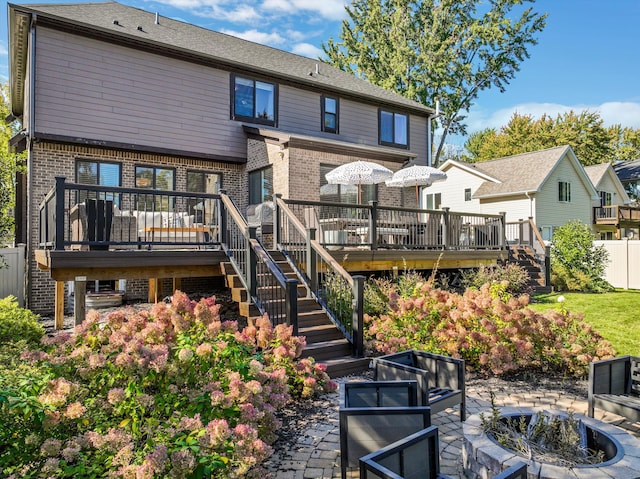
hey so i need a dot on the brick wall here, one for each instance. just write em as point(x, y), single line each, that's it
point(49, 160)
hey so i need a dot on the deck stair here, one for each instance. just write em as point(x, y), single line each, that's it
point(524, 257)
point(325, 342)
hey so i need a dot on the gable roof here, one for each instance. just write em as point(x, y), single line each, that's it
point(145, 30)
point(627, 170)
point(596, 172)
point(521, 174)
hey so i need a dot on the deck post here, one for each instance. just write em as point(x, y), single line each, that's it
point(312, 261)
point(446, 240)
point(223, 219)
point(59, 305)
point(357, 319)
point(276, 221)
point(531, 231)
point(79, 299)
point(373, 224)
point(291, 304)
point(59, 213)
point(252, 264)
point(503, 230)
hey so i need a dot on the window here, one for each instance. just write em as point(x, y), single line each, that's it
point(98, 173)
point(564, 191)
point(606, 235)
point(203, 211)
point(433, 201)
point(253, 101)
point(261, 186)
point(155, 178)
point(393, 129)
point(467, 194)
point(344, 193)
point(605, 198)
point(329, 114)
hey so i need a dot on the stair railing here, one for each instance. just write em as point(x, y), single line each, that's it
point(340, 294)
point(526, 233)
point(266, 284)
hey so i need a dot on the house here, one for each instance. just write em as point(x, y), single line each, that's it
point(550, 186)
point(629, 174)
point(609, 216)
point(115, 96)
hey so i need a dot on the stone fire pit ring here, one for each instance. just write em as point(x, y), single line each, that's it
point(483, 457)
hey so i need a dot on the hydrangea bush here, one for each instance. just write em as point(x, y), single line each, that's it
point(492, 330)
point(172, 392)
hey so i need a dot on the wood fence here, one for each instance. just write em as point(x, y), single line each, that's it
point(623, 270)
point(12, 273)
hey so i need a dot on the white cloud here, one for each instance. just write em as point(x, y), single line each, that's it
point(256, 36)
point(330, 9)
point(3, 49)
point(307, 50)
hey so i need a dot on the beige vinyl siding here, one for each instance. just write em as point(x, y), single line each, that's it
point(517, 207)
point(608, 185)
point(95, 90)
point(452, 190)
point(550, 211)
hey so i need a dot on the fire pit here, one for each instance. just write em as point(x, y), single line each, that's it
point(483, 457)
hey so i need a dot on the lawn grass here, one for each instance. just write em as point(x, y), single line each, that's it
point(615, 315)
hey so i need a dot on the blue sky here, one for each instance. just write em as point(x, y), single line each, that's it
point(588, 57)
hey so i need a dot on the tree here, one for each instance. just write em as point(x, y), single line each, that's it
point(585, 132)
point(576, 263)
point(429, 50)
point(10, 163)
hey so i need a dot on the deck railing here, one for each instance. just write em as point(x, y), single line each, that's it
point(339, 293)
point(615, 214)
point(268, 287)
point(526, 233)
point(341, 225)
point(92, 217)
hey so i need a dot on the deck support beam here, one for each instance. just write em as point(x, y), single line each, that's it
point(59, 305)
point(79, 299)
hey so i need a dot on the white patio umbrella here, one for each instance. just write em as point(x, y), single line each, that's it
point(359, 173)
point(416, 175)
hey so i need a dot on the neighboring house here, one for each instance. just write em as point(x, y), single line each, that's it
point(613, 197)
point(113, 95)
point(550, 186)
point(629, 174)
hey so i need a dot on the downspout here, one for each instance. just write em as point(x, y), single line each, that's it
point(429, 139)
point(30, 138)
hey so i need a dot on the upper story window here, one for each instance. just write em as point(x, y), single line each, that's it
point(564, 191)
point(329, 107)
point(467, 194)
point(253, 100)
point(606, 198)
point(393, 129)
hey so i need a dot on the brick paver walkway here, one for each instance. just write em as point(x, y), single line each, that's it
point(316, 454)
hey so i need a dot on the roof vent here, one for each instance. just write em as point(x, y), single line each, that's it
point(140, 29)
point(157, 19)
point(116, 22)
point(317, 69)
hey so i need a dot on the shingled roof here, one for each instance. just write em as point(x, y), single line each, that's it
point(596, 172)
point(118, 22)
point(628, 170)
point(518, 174)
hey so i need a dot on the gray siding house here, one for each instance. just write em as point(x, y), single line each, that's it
point(113, 95)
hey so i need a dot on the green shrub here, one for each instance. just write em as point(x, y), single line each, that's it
point(576, 264)
point(17, 323)
point(173, 392)
point(492, 330)
point(514, 276)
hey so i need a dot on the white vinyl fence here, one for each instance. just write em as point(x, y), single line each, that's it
point(12, 274)
point(623, 270)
